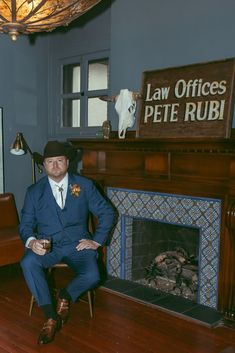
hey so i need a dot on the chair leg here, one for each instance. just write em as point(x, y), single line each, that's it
point(32, 300)
point(90, 301)
point(90, 296)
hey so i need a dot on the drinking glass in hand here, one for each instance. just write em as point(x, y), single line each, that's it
point(46, 243)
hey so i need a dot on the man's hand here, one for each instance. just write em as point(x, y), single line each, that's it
point(87, 244)
point(37, 246)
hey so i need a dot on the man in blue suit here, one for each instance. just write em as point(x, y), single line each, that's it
point(57, 208)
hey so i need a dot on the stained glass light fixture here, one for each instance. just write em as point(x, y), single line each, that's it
point(31, 16)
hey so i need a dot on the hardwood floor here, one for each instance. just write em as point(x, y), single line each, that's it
point(119, 325)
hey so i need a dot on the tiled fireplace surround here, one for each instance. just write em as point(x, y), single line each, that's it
point(201, 213)
point(188, 182)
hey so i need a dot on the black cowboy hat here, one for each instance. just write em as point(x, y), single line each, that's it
point(55, 149)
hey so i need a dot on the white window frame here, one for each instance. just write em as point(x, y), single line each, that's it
point(83, 95)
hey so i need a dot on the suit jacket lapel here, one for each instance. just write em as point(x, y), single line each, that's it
point(48, 198)
point(69, 196)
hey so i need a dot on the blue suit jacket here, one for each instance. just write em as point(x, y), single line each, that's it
point(42, 217)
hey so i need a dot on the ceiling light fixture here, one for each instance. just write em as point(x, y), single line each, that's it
point(31, 16)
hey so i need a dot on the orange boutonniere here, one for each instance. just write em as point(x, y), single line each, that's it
point(75, 190)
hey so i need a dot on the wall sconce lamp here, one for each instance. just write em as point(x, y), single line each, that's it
point(20, 147)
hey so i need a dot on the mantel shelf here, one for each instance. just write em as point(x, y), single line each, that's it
point(167, 145)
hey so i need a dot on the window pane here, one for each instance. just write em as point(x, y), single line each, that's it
point(97, 112)
point(98, 74)
point(71, 78)
point(71, 113)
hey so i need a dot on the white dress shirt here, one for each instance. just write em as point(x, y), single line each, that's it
point(56, 193)
point(55, 187)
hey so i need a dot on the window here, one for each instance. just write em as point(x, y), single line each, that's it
point(83, 82)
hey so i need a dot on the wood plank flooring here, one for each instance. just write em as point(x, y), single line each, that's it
point(120, 325)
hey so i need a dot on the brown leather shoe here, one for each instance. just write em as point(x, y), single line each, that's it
point(49, 330)
point(63, 306)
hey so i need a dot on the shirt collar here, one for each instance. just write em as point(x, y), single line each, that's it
point(63, 182)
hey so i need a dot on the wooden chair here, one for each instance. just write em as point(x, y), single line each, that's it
point(90, 293)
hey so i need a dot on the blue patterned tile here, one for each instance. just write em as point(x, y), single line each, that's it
point(202, 213)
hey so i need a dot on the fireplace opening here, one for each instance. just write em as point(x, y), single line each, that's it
point(165, 256)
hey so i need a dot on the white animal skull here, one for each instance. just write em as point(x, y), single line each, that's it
point(125, 107)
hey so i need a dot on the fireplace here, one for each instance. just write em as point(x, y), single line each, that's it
point(203, 214)
point(185, 182)
point(166, 257)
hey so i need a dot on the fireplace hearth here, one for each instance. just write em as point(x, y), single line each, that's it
point(175, 305)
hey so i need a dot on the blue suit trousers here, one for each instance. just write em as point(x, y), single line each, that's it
point(83, 263)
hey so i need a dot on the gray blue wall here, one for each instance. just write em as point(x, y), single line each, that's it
point(23, 97)
point(92, 36)
point(153, 34)
point(141, 35)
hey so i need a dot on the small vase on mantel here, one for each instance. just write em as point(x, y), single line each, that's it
point(106, 128)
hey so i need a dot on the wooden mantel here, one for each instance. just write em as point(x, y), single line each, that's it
point(195, 167)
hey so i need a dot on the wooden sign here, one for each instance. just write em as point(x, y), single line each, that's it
point(189, 101)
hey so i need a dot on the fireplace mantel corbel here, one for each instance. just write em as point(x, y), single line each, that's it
point(196, 167)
